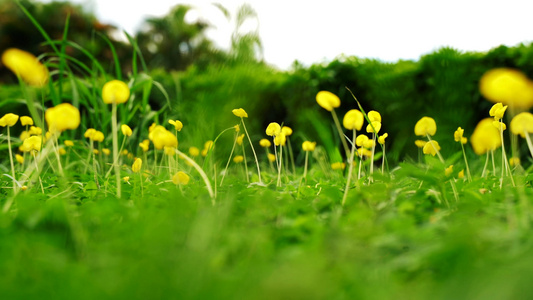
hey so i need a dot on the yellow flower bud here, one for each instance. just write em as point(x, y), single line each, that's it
point(353, 119)
point(239, 112)
point(62, 117)
point(193, 151)
point(106, 151)
point(126, 130)
point(327, 100)
point(145, 145)
point(98, 136)
point(431, 147)
point(522, 124)
point(273, 129)
point(62, 151)
point(25, 65)
point(485, 137)
point(19, 158)
point(25, 120)
point(271, 157)
point(115, 91)
point(514, 161)
point(373, 127)
point(280, 139)
point(424, 126)
point(9, 120)
point(458, 136)
point(286, 130)
point(361, 139)
point(461, 174)
point(24, 135)
point(448, 171)
point(338, 166)
point(240, 139)
point(35, 130)
point(382, 138)
point(32, 143)
point(374, 116)
point(238, 159)
point(265, 143)
point(177, 124)
point(69, 143)
point(308, 146)
point(137, 164)
point(180, 178)
point(420, 143)
point(497, 111)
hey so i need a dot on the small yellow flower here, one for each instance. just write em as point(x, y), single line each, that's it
point(448, 171)
point(177, 124)
point(364, 152)
point(9, 120)
point(499, 125)
point(25, 120)
point(180, 178)
point(420, 143)
point(514, 161)
point(106, 151)
point(431, 147)
point(497, 111)
point(137, 164)
point(24, 135)
point(361, 139)
point(461, 174)
point(382, 138)
point(522, 124)
point(327, 100)
point(308, 146)
point(353, 119)
point(170, 151)
point(32, 143)
point(458, 136)
point(193, 151)
point(124, 152)
point(161, 137)
point(69, 143)
point(238, 159)
point(62, 117)
point(126, 179)
point(207, 146)
point(485, 137)
point(265, 143)
point(145, 145)
point(237, 128)
point(271, 157)
point(115, 91)
point(280, 139)
point(374, 116)
point(152, 127)
point(239, 112)
point(24, 187)
point(35, 130)
point(338, 166)
point(375, 125)
point(62, 151)
point(96, 152)
point(19, 158)
point(98, 136)
point(286, 130)
point(424, 126)
point(240, 139)
point(126, 130)
point(25, 65)
point(273, 129)
point(368, 144)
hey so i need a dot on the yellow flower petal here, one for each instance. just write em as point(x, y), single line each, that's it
point(327, 100)
point(115, 91)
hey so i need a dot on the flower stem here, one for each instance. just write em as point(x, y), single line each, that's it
point(202, 174)
point(229, 159)
point(350, 169)
point(339, 129)
point(466, 164)
point(305, 166)
point(245, 163)
point(253, 150)
point(11, 160)
point(115, 147)
point(529, 143)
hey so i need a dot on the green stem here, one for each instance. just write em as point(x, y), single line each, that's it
point(339, 129)
point(253, 150)
point(466, 164)
point(229, 159)
point(350, 169)
point(115, 147)
point(11, 161)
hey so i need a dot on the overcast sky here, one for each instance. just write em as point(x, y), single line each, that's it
point(314, 31)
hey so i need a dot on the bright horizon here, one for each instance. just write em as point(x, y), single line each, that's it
point(387, 30)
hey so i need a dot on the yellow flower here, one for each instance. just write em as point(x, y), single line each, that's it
point(353, 119)
point(239, 112)
point(19, 158)
point(69, 143)
point(273, 129)
point(514, 161)
point(124, 152)
point(327, 100)
point(89, 133)
point(238, 159)
point(280, 139)
point(152, 127)
point(62, 151)
point(374, 116)
point(239, 139)
point(361, 139)
point(286, 130)
point(115, 91)
point(265, 143)
point(424, 126)
point(137, 164)
point(499, 125)
point(364, 152)
point(180, 178)
point(308, 146)
point(376, 126)
point(271, 157)
point(509, 86)
point(461, 174)
point(126, 130)
point(24, 135)
point(106, 151)
point(25, 120)
point(382, 138)
point(177, 124)
point(25, 65)
point(9, 120)
point(338, 166)
point(497, 111)
point(458, 136)
point(420, 143)
point(62, 117)
point(170, 151)
point(32, 143)
point(161, 137)
point(193, 151)
point(98, 136)
point(237, 128)
point(368, 144)
point(145, 145)
point(35, 130)
point(207, 146)
point(96, 152)
point(522, 124)
point(485, 137)
point(126, 179)
point(448, 171)
point(431, 147)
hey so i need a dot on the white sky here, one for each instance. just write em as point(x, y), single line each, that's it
point(313, 31)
